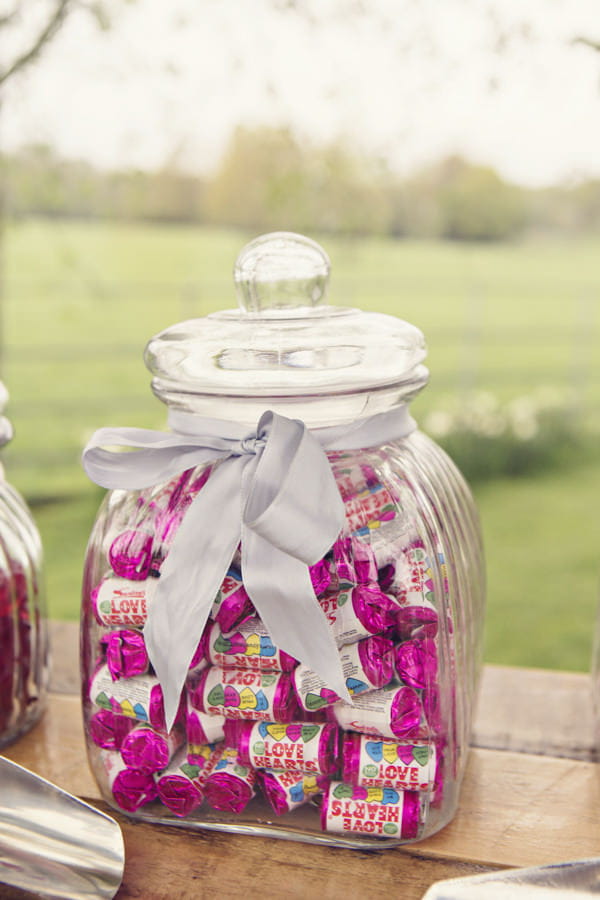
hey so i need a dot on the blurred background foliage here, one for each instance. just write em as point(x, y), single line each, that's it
point(267, 176)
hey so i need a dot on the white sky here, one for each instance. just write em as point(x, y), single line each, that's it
point(410, 80)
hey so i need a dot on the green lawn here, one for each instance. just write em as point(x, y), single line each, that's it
point(82, 299)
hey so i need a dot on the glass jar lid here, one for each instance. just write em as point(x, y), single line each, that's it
point(285, 340)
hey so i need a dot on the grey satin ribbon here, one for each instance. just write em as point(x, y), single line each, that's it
point(274, 491)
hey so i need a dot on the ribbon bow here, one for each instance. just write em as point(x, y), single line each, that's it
point(272, 490)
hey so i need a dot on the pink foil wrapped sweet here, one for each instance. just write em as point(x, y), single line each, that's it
point(126, 653)
point(230, 786)
point(381, 812)
point(416, 620)
point(373, 762)
point(358, 612)
point(343, 563)
point(288, 790)
point(365, 564)
point(244, 694)
point(140, 697)
point(366, 664)
point(416, 663)
point(390, 712)
point(120, 601)
point(148, 750)
point(232, 605)
point(248, 646)
point(181, 786)
point(108, 729)
point(130, 788)
point(201, 727)
point(130, 555)
point(298, 746)
point(320, 576)
point(170, 508)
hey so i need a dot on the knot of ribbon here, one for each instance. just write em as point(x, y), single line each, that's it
point(273, 492)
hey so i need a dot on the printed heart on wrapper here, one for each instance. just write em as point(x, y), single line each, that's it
point(247, 699)
point(404, 753)
point(375, 750)
point(293, 731)
point(355, 686)
point(216, 696)
point(344, 792)
point(262, 704)
point(275, 730)
point(421, 755)
point(308, 732)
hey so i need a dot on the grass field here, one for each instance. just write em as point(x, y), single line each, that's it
point(82, 299)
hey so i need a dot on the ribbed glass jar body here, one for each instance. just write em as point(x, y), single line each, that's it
point(260, 745)
point(23, 626)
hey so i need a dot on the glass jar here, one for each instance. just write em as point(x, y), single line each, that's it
point(23, 634)
point(282, 621)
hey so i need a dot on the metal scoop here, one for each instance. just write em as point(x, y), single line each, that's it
point(52, 843)
point(569, 880)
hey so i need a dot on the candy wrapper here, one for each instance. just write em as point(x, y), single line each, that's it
point(249, 646)
point(130, 788)
point(130, 554)
point(416, 618)
point(140, 697)
point(119, 601)
point(367, 665)
point(181, 786)
point(375, 763)
point(358, 612)
point(232, 605)
point(108, 729)
point(297, 746)
point(391, 712)
point(367, 501)
point(230, 786)
point(383, 812)
point(245, 694)
point(148, 750)
point(320, 576)
point(126, 653)
point(416, 663)
point(288, 790)
point(201, 727)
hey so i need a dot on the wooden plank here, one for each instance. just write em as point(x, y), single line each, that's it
point(227, 865)
point(163, 863)
point(522, 810)
point(535, 711)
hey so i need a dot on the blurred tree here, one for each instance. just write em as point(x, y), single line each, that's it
point(476, 204)
point(458, 200)
point(260, 182)
point(54, 17)
point(268, 179)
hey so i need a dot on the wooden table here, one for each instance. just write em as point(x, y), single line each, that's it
point(531, 795)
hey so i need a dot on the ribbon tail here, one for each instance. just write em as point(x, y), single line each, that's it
point(190, 578)
point(280, 588)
